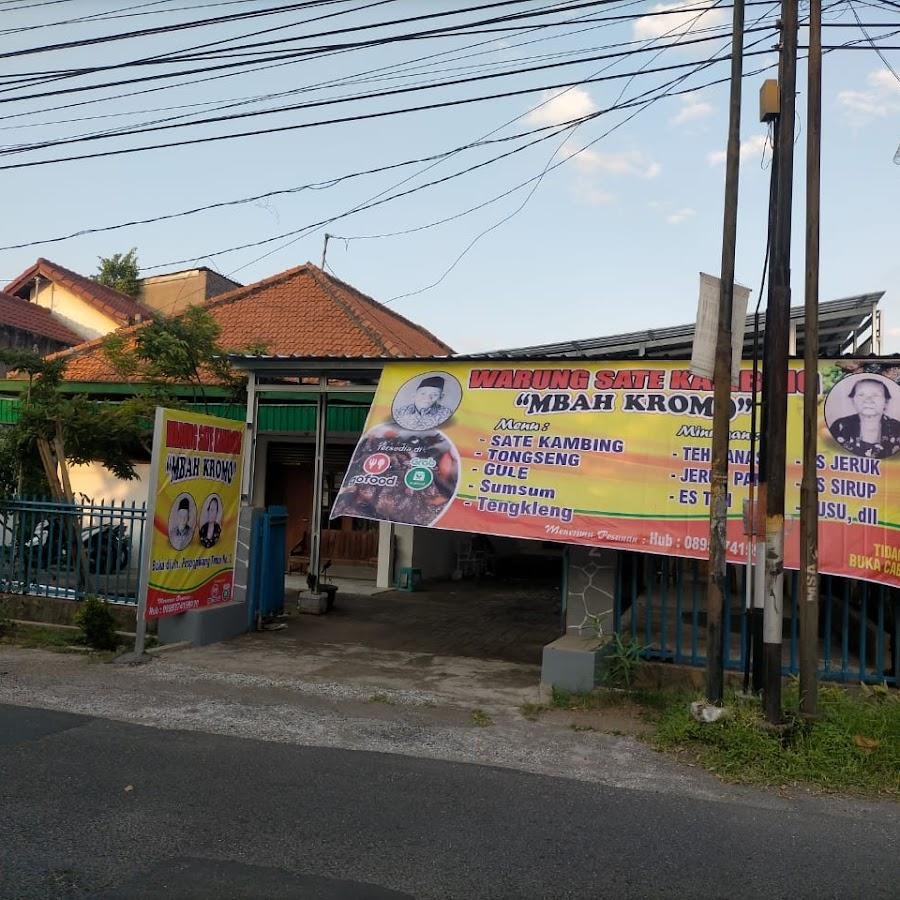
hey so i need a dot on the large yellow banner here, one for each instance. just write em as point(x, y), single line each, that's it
point(617, 454)
point(195, 498)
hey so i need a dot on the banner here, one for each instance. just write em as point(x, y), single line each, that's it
point(195, 498)
point(616, 454)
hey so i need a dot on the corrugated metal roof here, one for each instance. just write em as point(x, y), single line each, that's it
point(838, 321)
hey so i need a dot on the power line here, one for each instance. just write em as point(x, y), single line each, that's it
point(308, 52)
point(408, 67)
point(344, 119)
point(167, 29)
point(868, 37)
point(31, 79)
point(311, 186)
point(546, 169)
point(277, 10)
point(566, 126)
point(295, 60)
point(365, 96)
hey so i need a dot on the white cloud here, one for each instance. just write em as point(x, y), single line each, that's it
point(675, 22)
point(751, 148)
point(592, 194)
point(879, 102)
point(632, 163)
point(884, 80)
point(692, 109)
point(554, 110)
point(681, 215)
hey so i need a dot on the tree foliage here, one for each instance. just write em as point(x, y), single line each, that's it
point(86, 430)
point(179, 350)
point(120, 271)
point(56, 428)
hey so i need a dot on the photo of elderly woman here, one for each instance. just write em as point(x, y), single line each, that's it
point(858, 413)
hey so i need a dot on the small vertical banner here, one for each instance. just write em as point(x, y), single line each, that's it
point(703, 352)
point(195, 499)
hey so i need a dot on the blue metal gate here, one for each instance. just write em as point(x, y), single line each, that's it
point(268, 561)
point(660, 602)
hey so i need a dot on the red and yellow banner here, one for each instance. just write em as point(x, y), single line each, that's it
point(616, 454)
point(195, 496)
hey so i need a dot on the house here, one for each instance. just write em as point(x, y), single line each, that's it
point(84, 306)
point(27, 326)
point(92, 310)
point(302, 312)
point(173, 292)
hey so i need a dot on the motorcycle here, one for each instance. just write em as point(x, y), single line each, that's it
point(107, 548)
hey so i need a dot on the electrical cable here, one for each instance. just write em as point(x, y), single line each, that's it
point(281, 10)
point(344, 119)
point(348, 98)
point(312, 186)
point(275, 65)
point(324, 222)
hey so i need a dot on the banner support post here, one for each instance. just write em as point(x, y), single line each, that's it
point(140, 629)
point(315, 538)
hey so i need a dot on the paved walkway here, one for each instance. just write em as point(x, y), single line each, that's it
point(507, 620)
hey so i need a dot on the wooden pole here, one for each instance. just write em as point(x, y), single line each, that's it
point(809, 507)
point(777, 330)
point(718, 501)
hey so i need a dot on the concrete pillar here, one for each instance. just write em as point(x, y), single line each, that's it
point(260, 465)
point(591, 584)
point(385, 576)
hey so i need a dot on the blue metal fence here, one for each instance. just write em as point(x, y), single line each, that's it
point(66, 550)
point(660, 602)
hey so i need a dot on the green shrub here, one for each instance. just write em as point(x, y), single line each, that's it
point(98, 627)
point(6, 625)
point(622, 662)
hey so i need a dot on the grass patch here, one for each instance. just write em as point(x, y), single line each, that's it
point(39, 638)
point(481, 718)
point(532, 711)
point(607, 698)
point(854, 744)
point(57, 640)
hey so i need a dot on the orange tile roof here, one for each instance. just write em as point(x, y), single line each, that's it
point(302, 312)
point(119, 306)
point(24, 316)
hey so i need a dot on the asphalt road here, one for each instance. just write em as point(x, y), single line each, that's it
point(96, 808)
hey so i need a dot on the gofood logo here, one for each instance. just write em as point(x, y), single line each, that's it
point(374, 468)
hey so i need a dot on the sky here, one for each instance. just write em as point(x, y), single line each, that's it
point(611, 240)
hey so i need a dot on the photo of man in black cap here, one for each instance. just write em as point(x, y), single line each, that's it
point(182, 520)
point(427, 410)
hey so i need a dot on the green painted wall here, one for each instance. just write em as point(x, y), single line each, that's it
point(285, 418)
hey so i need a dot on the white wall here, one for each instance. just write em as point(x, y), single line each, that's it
point(81, 317)
point(98, 483)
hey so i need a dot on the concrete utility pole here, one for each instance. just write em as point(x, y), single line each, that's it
point(809, 506)
point(778, 317)
point(718, 500)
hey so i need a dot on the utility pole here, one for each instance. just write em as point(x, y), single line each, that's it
point(718, 501)
point(809, 507)
point(778, 318)
point(325, 249)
